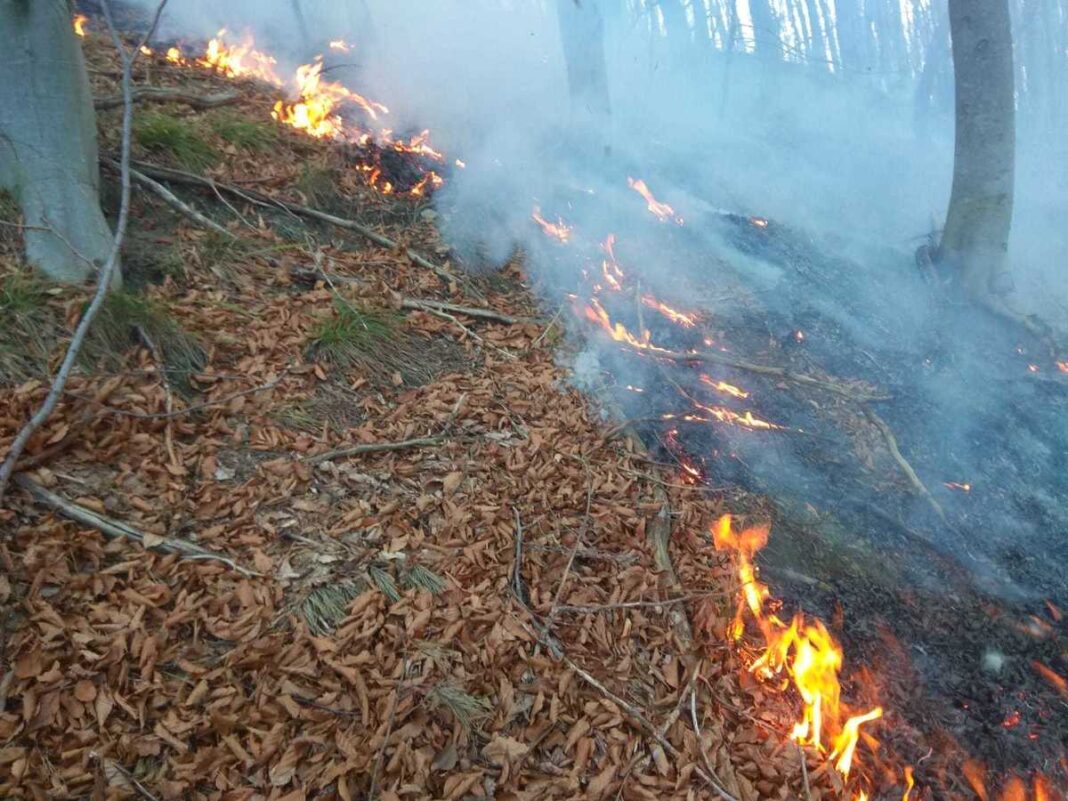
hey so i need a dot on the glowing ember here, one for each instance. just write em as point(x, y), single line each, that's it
point(759, 222)
point(660, 210)
point(1014, 790)
point(1012, 720)
point(1032, 368)
point(799, 336)
point(805, 651)
point(953, 485)
point(976, 777)
point(79, 24)
point(724, 387)
point(1056, 679)
point(681, 318)
point(1062, 366)
point(461, 164)
point(558, 230)
point(340, 45)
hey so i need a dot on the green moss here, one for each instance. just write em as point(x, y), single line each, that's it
point(175, 137)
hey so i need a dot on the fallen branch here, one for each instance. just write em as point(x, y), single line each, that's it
point(636, 715)
point(375, 447)
point(902, 462)
point(191, 179)
point(467, 311)
point(762, 369)
point(172, 200)
point(156, 94)
point(107, 271)
point(682, 599)
point(115, 528)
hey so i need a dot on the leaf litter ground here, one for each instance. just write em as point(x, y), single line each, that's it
point(373, 643)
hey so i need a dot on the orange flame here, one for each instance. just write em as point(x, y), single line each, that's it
point(975, 774)
point(724, 387)
point(1056, 679)
point(681, 318)
point(596, 313)
point(909, 783)
point(662, 211)
point(558, 230)
point(759, 222)
point(613, 275)
point(953, 485)
point(1062, 366)
point(1014, 790)
point(239, 61)
point(340, 45)
point(79, 24)
point(805, 651)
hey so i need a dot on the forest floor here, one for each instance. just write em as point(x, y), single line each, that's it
point(477, 615)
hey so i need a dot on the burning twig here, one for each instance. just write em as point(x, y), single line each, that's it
point(906, 468)
point(115, 528)
point(107, 271)
point(157, 94)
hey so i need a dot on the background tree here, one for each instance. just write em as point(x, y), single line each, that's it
point(48, 147)
point(976, 237)
point(582, 35)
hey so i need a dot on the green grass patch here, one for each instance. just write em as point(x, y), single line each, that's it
point(126, 320)
point(318, 183)
point(241, 132)
point(175, 137)
point(29, 328)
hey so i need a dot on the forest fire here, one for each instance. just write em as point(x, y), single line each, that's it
point(319, 107)
point(724, 387)
point(804, 651)
point(661, 211)
point(79, 24)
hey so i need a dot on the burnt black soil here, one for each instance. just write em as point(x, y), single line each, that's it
point(955, 613)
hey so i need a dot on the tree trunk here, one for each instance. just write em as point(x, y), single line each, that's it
point(48, 150)
point(767, 31)
point(675, 25)
point(976, 237)
point(582, 34)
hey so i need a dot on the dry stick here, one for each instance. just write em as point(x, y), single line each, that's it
point(902, 462)
point(452, 319)
point(127, 775)
point(178, 176)
point(104, 277)
point(635, 714)
point(804, 772)
point(115, 528)
point(762, 369)
point(589, 608)
point(375, 447)
point(156, 94)
point(467, 311)
point(716, 784)
point(172, 200)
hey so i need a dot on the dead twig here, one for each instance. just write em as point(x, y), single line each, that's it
point(157, 94)
point(252, 195)
point(804, 772)
point(902, 462)
point(713, 779)
point(466, 311)
point(636, 715)
point(683, 599)
point(782, 373)
point(375, 447)
point(176, 203)
point(115, 528)
point(111, 264)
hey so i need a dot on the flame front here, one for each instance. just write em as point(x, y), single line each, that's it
point(79, 24)
point(804, 650)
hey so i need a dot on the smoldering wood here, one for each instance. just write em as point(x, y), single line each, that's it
point(48, 145)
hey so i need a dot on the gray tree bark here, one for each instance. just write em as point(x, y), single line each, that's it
point(48, 148)
point(582, 34)
point(976, 237)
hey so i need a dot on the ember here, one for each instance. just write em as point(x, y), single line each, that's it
point(661, 211)
point(558, 230)
point(79, 24)
point(953, 485)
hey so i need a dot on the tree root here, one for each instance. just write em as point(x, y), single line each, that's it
point(116, 529)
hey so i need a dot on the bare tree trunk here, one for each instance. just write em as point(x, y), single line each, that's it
point(976, 237)
point(766, 29)
point(48, 149)
point(582, 34)
point(48, 156)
